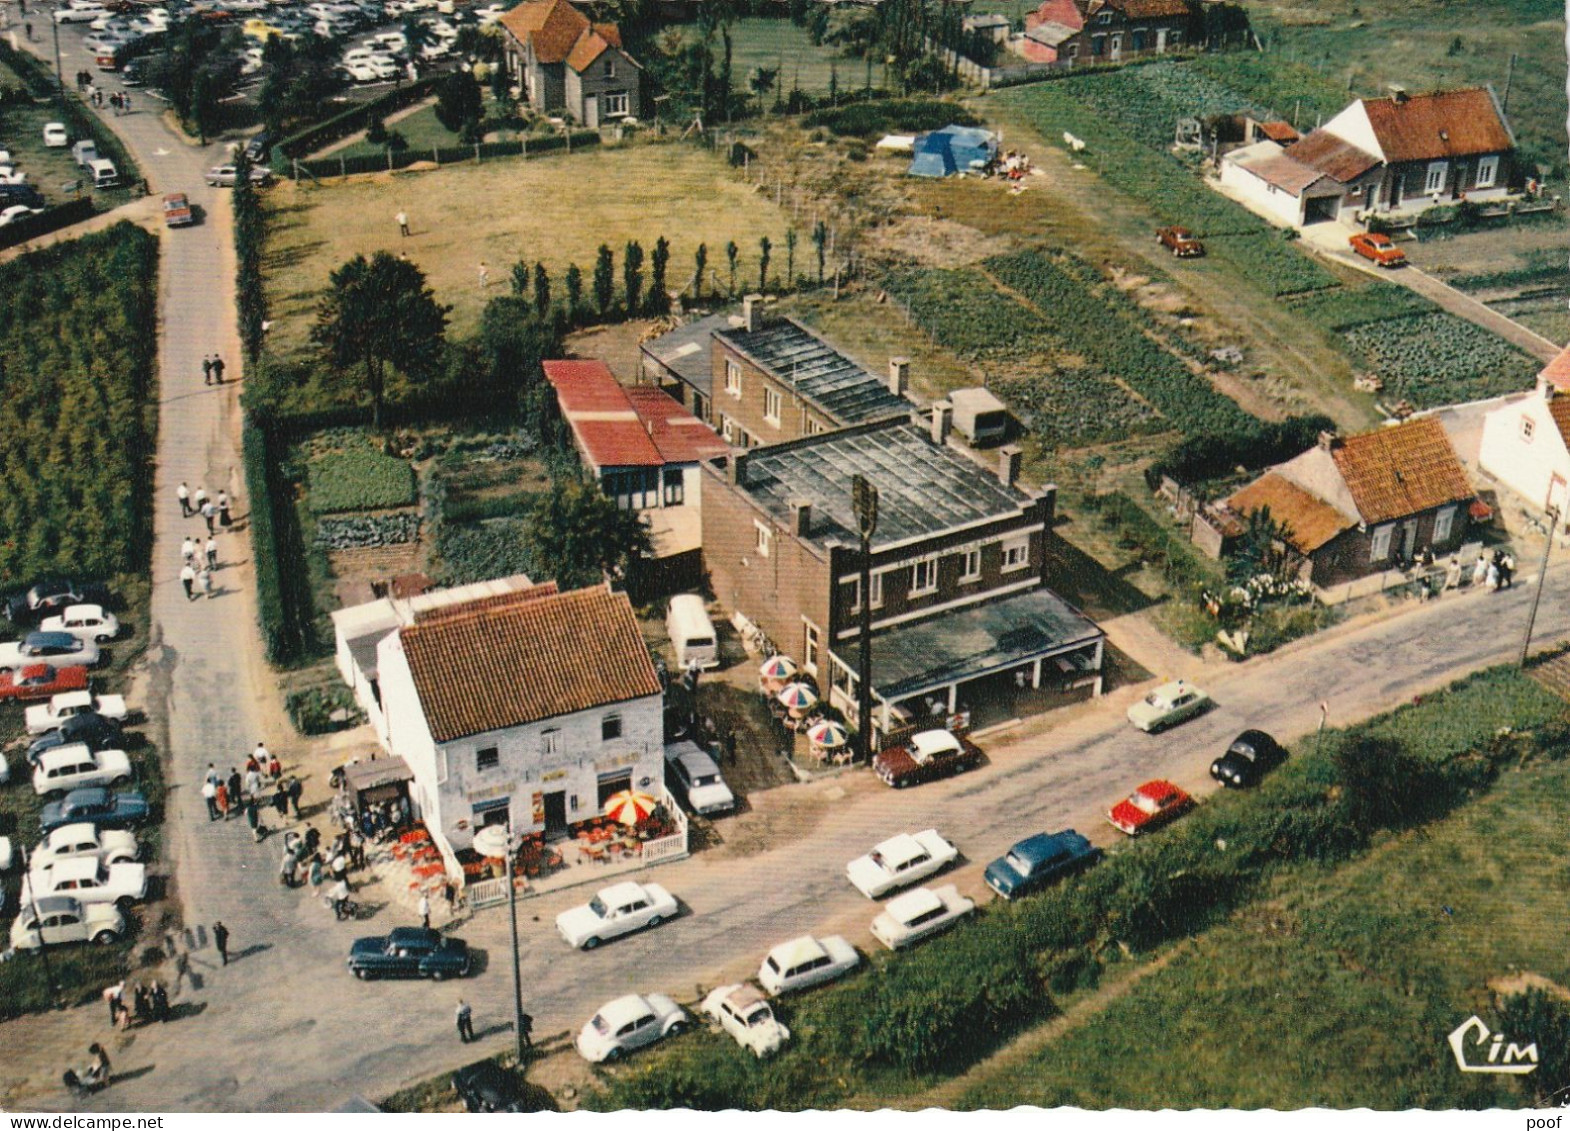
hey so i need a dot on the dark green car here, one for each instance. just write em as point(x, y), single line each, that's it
point(409, 952)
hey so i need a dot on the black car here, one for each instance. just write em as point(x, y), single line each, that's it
point(257, 149)
point(409, 952)
point(98, 731)
point(52, 595)
point(101, 808)
point(28, 195)
point(1251, 755)
point(487, 1086)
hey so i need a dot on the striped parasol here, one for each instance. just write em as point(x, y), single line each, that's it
point(629, 806)
point(828, 734)
point(798, 696)
point(778, 667)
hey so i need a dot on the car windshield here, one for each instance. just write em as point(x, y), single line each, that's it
point(596, 906)
point(1144, 803)
point(759, 1016)
point(772, 965)
point(1017, 864)
point(706, 779)
point(600, 1026)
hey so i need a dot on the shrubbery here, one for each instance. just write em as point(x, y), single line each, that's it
point(890, 116)
point(1216, 454)
point(359, 478)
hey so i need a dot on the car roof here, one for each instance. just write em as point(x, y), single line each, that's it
point(622, 893)
point(797, 951)
point(745, 996)
point(73, 699)
point(88, 795)
point(63, 755)
point(32, 670)
point(74, 832)
point(408, 935)
point(1157, 788)
point(914, 903)
point(1043, 846)
point(624, 1009)
point(52, 904)
point(85, 610)
point(697, 762)
point(1169, 691)
point(73, 867)
point(898, 849)
point(934, 741)
point(49, 639)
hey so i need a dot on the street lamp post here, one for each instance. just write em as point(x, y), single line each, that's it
point(496, 840)
point(43, 943)
point(1542, 574)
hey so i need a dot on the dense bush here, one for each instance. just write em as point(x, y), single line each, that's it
point(283, 601)
point(322, 710)
point(33, 225)
point(358, 478)
point(1210, 456)
point(492, 549)
point(890, 116)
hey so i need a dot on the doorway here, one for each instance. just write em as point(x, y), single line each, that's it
point(556, 815)
point(1408, 539)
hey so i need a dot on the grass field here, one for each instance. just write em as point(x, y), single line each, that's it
point(50, 170)
point(779, 45)
point(555, 210)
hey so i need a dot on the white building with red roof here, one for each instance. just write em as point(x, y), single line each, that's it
point(1526, 440)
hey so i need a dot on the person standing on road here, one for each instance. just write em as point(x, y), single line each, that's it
point(425, 911)
point(225, 519)
point(465, 1017)
point(403, 222)
point(188, 579)
point(223, 799)
point(254, 819)
point(198, 499)
point(234, 784)
point(210, 795)
point(295, 789)
point(184, 494)
point(207, 369)
point(221, 940)
point(160, 1002)
point(281, 802)
point(210, 513)
point(253, 783)
point(218, 368)
point(205, 580)
point(188, 551)
point(212, 552)
point(526, 1030)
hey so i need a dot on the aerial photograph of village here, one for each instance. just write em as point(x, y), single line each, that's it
point(784, 555)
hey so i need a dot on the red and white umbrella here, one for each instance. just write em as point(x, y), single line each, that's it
point(630, 806)
point(798, 696)
point(828, 734)
point(778, 667)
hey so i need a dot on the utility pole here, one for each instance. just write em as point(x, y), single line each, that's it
point(865, 497)
point(59, 74)
point(43, 943)
point(485, 842)
point(1504, 101)
point(1542, 575)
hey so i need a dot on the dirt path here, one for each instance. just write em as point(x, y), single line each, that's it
point(1465, 306)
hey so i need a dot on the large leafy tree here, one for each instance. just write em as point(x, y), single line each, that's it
point(604, 280)
point(296, 81)
point(585, 535)
point(459, 102)
point(379, 312)
point(1263, 549)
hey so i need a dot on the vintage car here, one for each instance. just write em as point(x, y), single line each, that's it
point(89, 728)
point(409, 952)
point(58, 648)
point(1378, 249)
point(44, 717)
point(617, 910)
point(1038, 860)
point(89, 622)
point(88, 880)
point(1168, 705)
point(1180, 242)
point(919, 914)
point(40, 681)
point(900, 861)
point(806, 961)
point(1251, 755)
point(924, 756)
point(101, 808)
point(629, 1023)
point(59, 919)
point(486, 1086)
point(50, 596)
point(108, 846)
point(742, 1010)
point(78, 766)
point(1152, 805)
point(696, 779)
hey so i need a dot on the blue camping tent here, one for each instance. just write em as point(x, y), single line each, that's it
point(953, 149)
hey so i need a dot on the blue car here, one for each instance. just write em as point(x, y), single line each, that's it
point(99, 807)
point(409, 952)
point(1036, 861)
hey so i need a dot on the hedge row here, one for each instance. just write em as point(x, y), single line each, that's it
point(51, 219)
point(1215, 454)
point(282, 600)
point(40, 82)
point(441, 155)
point(354, 119)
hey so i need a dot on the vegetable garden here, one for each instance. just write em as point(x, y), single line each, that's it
point(1438, 359)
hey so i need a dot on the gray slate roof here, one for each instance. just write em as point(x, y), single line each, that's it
point(923, 489)
point(686, 352)
point(821, 374)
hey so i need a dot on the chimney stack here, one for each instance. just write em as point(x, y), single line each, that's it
point(1328, 441)
point(736, 469)
point(899, 375)
point(751, 312)
point(941, 412)
point(801, 517)
point(1009, 459)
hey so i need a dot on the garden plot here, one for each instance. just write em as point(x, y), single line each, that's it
point(1439, 359)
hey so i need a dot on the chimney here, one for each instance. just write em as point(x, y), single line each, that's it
point(1329, 441)
point(899, 375)
point(1398, 93)
point(736, 469)
point(941, 414)
point(751, 312)
point(801, 517)
point(1545, 388)
point(1009, 458)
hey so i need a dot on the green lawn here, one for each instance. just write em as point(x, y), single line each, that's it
point(779, 45)
point(52, 171)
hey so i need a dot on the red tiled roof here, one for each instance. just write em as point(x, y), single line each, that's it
point(621, 427)
point(504, 667)
point(1152, 9)
point(680, 436)
point(1332, 156)
point(560, 33)
point(610, 33)
point(1559, 410)
point(1279, 131)
point(1443, 124)
point(1310, 522)
point(482, 604)
point(585, 386)
point(1282, 170)
point(588, 48)
point(1400, 471)
point(1557, 371)
point(616, 443)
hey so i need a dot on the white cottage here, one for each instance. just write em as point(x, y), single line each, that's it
point(532, 705)
point(1526, 440)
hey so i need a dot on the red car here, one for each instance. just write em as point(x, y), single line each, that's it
point(1180, 242)
point(926, 756)
point(1378, 248)
point(1149, 807)
point(40, 681)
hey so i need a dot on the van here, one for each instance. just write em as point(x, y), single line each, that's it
point(85, 151)
point(692, 632)
point(105, 175)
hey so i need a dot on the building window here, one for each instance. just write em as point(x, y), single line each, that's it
point(1104, 18)
point(1136, 41)
point(610, 66)
point(1379, 549)
point(1527, 428)
point(1174, 37)
point(634, 488)
point(550, 742)
point(1098, 45)
point(877, 591)
point(727, 430)
point(971, 568)
point(1443, 521)
point(1487, 171)
point(1073, 52)
point(610, 728)
point(853, 595)
point(675, 487)
point(732, 378)
point(771, 406)
point(1016, 554)
point(615, 104)
point(809, 651)
point(765, 539)
point(1435, 181)
point(923, 576)
point(487, 758)
point(814, 427)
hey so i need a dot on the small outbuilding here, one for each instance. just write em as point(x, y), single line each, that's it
point(980, 416)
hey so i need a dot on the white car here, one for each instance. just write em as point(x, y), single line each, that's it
point(629, 1023)
point(806, 961)
point(743, 1012)
point(88, 841)
point(1168, 705)
point(79, 15)
point(76, 766)
point(45, 717)
point(7, 854)
point(364, 71)
point(57, 648)
point(62, 919)
point(55, 136)
point(919, 914)
point(10, 175)
point(693, 773)
point(15, 212)
point(222, 176)
point(617, 910)
point(90, 622)
point(899, 861)
point(88, 880)
point(436, 50)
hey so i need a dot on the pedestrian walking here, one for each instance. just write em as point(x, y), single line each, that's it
point(183, 493)
point(425, 911)
point(213, 775)
point(207, 369)
point(1453, 573)
point(526, 1030)
point(125, 104)
point(188, 551)
point(253, 817)
point(28, 27)
point(218, 369)
point(225, 519)
point(274, 770)
point(281, 802)
point(205, 580)
point(222, 792)
point(198, 499)
point(221, 940)
point(253, 783)
point(160, 1002)
point(356, 849)
point(188, 579)
point(295, 789)
point(403, 223)
point(234, 784)
point(1507, 571)
point(112, 995)
point(210, 513)
point(316, 875)
point(210, 795)
point(465, 1017)
point(485, 275)
point(212, 552)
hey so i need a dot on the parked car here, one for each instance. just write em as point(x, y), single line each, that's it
point(409, 952)
point(55, 136)
point(486, 1086)
point(84, 15)
point(1152, 805)
point(1168, 705)
point(90, 622)
point(1251, 755)
point(60, 919)
point(177, 210)
point(58, 648)
point(806, 961)
point(919, 914)
point(742, 1010)
point(12, 196)
point(1378, 248)
point(76, 767)
point(258, 147)
point(629, 1023)
point(695, 779)
point(617, 910)
point(89, 727)
point(101, 808)
point(1038, 860)
point(53, 595)
point(40, 681)
point(222, 176)
point(925, 756)
point(87, 880)
point(1180, 242)
point(42, 717)
point(107, 846)
point(899, 861)
point(15, 212)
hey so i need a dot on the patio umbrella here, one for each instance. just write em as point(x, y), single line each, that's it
point(798, 696)
point(828, 734)
point(629, 806)
point(778, 667)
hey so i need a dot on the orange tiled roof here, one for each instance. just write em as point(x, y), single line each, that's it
point(1557, 371)
point(483, 604)
point(1310, 522)
point(498, 667)
point(1153, 9)
point(1395, 472)
point(1445, 123)
point(588, 48)
point(1559, 410)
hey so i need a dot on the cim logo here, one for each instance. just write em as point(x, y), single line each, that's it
point(1507, 1059)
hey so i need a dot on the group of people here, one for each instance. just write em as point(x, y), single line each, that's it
point(200, 562)
point(248, 793)
point(1495, 572)
point(306, 861)
point(212, 369)
point(149, 1002)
